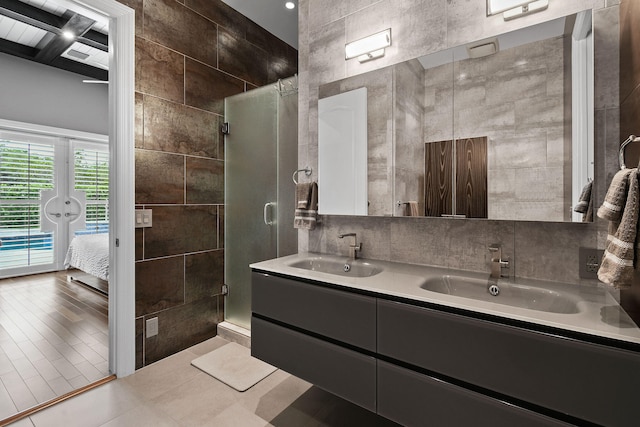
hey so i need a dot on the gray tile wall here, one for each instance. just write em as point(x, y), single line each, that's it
point(539, 250)
point(520, 108)
point(409, 94)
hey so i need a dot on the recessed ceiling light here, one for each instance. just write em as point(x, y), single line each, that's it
point(69, 35)
point(290, 5)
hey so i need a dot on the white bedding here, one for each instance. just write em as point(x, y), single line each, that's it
point(89, 253)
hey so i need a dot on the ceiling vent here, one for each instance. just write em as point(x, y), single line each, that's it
point(77, 54)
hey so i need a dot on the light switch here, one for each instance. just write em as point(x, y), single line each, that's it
point(144, 218)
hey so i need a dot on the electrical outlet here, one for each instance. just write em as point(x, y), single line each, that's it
point(592, 264)
point(589, 262)
point(152, 327)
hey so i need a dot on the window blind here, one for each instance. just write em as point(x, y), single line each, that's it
point(91, 175)
point(25, 169)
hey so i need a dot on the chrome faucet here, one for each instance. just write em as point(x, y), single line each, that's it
point(353, 249)
point(497, 263)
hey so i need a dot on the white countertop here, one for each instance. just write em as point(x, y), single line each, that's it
point(599, 312)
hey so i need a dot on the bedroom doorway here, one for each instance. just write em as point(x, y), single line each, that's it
point(120, 117)
point(54, 187)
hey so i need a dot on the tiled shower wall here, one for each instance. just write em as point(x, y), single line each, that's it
point(630, 107)
point(544, 250)
point(190, 55)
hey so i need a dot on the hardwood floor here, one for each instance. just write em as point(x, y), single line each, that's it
point(53, 339)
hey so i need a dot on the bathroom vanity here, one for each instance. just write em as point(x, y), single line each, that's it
point(421, 346)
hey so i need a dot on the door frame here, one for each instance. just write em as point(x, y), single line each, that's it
point(121, 180)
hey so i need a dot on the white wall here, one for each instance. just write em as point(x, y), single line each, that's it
point(35, 93)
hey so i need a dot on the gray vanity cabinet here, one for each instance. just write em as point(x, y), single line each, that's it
point(303, 328)
point(343, 372)
point(414, 399)
point(422, 366)
point(584, 380)
point(343, 316)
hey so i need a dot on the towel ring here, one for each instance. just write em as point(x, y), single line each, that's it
point(629, 140)
point(307, 171)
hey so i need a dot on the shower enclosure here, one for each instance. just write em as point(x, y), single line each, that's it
point(261, 153)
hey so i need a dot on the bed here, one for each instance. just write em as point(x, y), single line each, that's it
point(90, 254)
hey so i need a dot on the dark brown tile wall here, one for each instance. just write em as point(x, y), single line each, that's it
point(190, 55)
point(630, 111)
point(629, 68)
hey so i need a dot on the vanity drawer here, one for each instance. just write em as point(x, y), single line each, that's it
point(343, 372)
point(343, 316)
point(410, 398)
point(584, 380)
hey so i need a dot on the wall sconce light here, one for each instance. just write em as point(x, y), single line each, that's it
point(515, 8)
point(370, 47)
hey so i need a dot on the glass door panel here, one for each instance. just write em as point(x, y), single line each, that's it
point(27, 184)
point(250, 194)
point(90, 188)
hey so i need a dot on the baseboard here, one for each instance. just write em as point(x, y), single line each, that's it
point(235, 333)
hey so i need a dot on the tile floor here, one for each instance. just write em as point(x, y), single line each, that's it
point(53, 339)
point(171, 392)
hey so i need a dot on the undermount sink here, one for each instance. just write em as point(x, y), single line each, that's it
point(503, 292)
point(338, 266)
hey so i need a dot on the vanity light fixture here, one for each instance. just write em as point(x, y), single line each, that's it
point(515, 8)
point(370, 47)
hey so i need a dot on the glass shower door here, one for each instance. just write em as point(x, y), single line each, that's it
point(250, 194)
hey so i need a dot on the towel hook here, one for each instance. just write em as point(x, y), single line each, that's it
point(307, 171)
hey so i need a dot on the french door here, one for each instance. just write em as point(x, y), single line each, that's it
point(51, 188)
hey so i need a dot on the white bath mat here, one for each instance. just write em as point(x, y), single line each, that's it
point(233, 365)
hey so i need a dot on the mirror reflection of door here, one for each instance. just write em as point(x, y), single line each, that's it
point(54, 163)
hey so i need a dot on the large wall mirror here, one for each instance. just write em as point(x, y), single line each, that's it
point(500, 129)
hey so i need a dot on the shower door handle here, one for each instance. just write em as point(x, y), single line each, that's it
point(267, 215)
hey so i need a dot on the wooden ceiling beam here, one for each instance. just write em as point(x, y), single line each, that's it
point(77, 25)
point(32, 15)
point(49, 22)
point(56, 45)
point(96, 40)
point(29, 53)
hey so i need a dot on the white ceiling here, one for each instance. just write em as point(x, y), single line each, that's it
point(271, 15)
